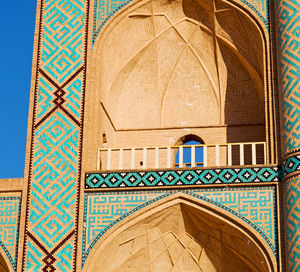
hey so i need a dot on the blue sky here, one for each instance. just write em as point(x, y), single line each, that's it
point(17, 22)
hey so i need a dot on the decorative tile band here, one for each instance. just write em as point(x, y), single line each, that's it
point(288, 45)
point(55, 152)
point(10, 209)
point(291, 165)
point(181, 177)
point(255, 206)
point(104, 10)
point(291, 190)
point(288, 21)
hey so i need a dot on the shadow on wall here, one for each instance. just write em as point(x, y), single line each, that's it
point(3, 265)
point(239, 62)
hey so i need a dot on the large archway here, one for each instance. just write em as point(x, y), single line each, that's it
point(161, 66)
point(180, 234)
point(181, 64)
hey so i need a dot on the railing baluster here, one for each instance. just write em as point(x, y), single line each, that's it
point(253, 153)
point(241, 154)
point(229, 155)
point(98, 160)
point(205, 156)
point(156, 157)
point(265, 153)
point(180, 156)
point(144, 158)
point(132, 158)
point(108, 165)
point(169, 157)
point(193, 155)
point(217, 155)
point(121, 159)
point(206, 149)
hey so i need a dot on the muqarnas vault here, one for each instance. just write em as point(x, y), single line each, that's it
point(163, 135)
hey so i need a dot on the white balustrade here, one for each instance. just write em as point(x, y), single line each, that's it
point(108, 163)
point(132, 158)
point(193, 156)
point(205, 156)
point(121, 159)
point(168, 157)
point(144, 158)
point(210, 155)
point(241, 154)
point(229, 155)
point(217, 155)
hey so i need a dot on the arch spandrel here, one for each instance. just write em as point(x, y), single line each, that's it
point(103, 11)
point(180, 223)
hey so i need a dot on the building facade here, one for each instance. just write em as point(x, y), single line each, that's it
point(163, 135)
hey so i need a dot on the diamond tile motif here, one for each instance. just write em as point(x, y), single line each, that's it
point(182, 177)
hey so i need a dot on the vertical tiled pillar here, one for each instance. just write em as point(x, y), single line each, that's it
point(288, 47)
point(53, 170)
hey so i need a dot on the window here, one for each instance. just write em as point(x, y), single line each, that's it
point(189, 143)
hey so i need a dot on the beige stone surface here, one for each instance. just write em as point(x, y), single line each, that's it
point(11, 184)
point(186, 63)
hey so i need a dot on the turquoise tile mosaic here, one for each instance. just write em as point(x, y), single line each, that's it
point(255, 205)
point(10, 209)
point(291, 165)
point(50, 237)
point(291, 190)
point(181, 177)
point(288, 41)
point(288, 33)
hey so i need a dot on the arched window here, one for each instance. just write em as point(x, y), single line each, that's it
point(190, 154)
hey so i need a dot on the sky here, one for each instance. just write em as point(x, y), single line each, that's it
point(17, 22)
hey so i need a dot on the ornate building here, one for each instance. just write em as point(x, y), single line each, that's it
point(163, 135)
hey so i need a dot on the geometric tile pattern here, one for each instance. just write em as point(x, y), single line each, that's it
point(140, 179)
point(291, 165)
point(9, 227)
point(288, 41)
point(104, 10)
point(256, 206)
point(291, 190)
point(104, 209)
point(50, 240)
point(288, 33)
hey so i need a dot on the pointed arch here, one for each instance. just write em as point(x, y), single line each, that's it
point(191, 211)
point(114, 86)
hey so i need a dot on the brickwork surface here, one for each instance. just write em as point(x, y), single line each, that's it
point(103, 10)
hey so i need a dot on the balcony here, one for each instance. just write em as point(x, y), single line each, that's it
point(183, 156)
